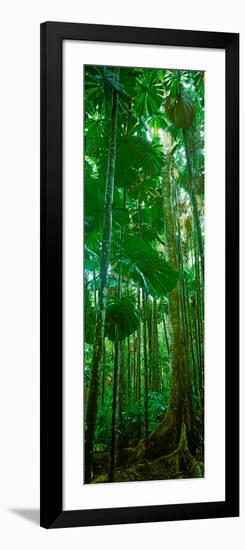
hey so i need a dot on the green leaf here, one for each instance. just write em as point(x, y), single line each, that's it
point(141, 263)
point(149, 93)
point(135, 155)
point(99, 83)
point(121, 318)
point(180, 110)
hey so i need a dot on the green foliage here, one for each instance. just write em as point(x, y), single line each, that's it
point(121, 318)
point(154, 107)
point(141, 263)
point(148, 93)
point(89, 318)
point(100, 82)
point(132, 416)
point(136, 155)
point(180, 110)
point(158, 404)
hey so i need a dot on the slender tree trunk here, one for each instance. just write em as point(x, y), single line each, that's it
point(121, 403)
point(150, 346)
point(103, 375)
point(155, 381)
point(139, 336)
point(144, 300)
point(165, 332)
point(194, 199)
point(199, 321)
point(129, 371)
point(94, 283)
point(191, 186)
point(157, 348)
point(112, 461)
point(102, 298)
point(135, 369)
point(121, 390)
point(138, 365)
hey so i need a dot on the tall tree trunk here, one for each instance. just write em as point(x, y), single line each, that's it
point(94, 283)
point(191, 185)
point(139, 335)
point(155, 380)
point(150, 344)
point(129, 371)
point(144, 301)
point(92, 408)
point(194, 199)
point(103, 360)
point(121, 402)
point(112, 460)
point(165, 332)
point(135, 369)
point(166, 437)
point(199, 321)
point(190, 359)
point(138, 362)
point(121, 388)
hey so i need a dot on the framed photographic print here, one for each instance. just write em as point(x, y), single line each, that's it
point(139, 274)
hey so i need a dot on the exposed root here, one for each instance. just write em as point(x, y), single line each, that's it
point(194, 467)
point(160, 442)
point(179, 464)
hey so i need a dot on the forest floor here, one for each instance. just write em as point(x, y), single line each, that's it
point(179, 464)
point(146, 471)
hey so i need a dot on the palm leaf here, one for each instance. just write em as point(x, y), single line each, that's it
point(99, 83)
point(121, 318)
point(139, 262)
point(180, 110)
point(149, 94)
point(134, 155)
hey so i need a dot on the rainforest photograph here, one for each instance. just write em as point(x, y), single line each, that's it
point(143, 266)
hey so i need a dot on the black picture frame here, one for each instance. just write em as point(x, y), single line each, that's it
point(52, 35)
